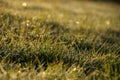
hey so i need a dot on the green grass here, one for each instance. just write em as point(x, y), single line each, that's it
point(64, 40)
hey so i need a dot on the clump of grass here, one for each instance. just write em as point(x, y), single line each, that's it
point(42, 49)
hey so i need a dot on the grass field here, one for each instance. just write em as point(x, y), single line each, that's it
point(59, 40)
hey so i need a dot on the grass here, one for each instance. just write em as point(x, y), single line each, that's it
point(64, 40)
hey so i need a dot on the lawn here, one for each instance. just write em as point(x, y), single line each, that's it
point(59, 40)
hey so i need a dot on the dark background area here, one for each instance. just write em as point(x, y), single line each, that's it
point(115, 1)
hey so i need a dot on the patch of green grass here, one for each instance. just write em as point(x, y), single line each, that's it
point(73, 45)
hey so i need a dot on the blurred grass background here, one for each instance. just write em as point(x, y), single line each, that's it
point(59, 40)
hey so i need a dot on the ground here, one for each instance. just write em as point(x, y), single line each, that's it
point(59, 40)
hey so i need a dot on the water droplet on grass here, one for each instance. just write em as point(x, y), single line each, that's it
point(77, 22)
point(107, 22)
point(24, 4)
